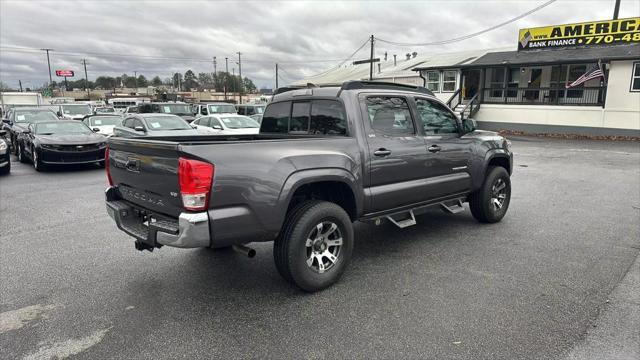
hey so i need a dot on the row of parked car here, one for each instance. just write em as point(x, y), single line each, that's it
point(76, 133)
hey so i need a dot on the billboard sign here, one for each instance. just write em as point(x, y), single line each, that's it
point(64, 73)
point(594, 33)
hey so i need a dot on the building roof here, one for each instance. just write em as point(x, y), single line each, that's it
point(403, 68)
point(556, 56)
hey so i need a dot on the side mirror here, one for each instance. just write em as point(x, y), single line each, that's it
point(7, 121)
point(469, 125)
point(59, 113)
point(95, 130)
point(26, 131)
point(194, 125)
point(138, 128)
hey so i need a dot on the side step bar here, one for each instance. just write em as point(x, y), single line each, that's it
point(453, 209)
point(408, 218)
point(410, 221)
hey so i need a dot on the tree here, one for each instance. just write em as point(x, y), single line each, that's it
point(142, 81)
point(105, 82)
point(249, 86)
point(190, 80)
point(156, 81)
point(205, 80)
point(129, 81)
point(177, 81)
point(5, 87)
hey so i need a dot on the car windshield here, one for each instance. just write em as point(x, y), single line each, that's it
point(76, 109)
point(62, 127)
point(181, 109)
point(222, 109)
point(105, 110)
point(259, 109)
point(33, 116)
point(167, 123)
point(105, 120)
point(239, 122)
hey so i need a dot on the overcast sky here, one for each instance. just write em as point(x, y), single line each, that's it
point(304, 37)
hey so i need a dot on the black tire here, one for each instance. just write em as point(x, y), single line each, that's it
point(290, 249)
point(20, 154)
point(6, 169)
point(37, 163)
point(482, 201)
point(14, 146)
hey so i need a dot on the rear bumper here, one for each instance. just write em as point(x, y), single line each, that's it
point(189, 230)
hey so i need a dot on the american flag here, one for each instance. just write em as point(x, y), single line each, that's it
point(593, 73)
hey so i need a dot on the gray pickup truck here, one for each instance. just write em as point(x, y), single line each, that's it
point(325, 158)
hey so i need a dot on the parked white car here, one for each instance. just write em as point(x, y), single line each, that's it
point(103, 124)
point(227, 124)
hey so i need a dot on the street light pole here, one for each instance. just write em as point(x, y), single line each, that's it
point(616, 10)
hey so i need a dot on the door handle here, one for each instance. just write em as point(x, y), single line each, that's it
point(434, 148)
point(382, 152)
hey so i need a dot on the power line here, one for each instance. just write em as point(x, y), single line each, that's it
point(154, 57)
point(469, 36)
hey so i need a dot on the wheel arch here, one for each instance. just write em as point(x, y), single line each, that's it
point(330, 184)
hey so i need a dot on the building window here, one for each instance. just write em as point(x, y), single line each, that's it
point(433, 81)
point(449, 80)
point(635, 77)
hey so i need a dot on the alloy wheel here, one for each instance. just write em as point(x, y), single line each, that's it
point(498, 194)
point(323, 246)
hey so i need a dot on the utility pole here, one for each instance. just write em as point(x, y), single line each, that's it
point(276, 75)
point(233, 84)
point(371, 59)
point(226, 75)
point(215, 72)
point(20, 82)
point(86, 78)
point(616, 10)
point(135, 80)
point(240, 73)
point(49, 64)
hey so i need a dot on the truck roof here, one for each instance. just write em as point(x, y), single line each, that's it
point(330, 90)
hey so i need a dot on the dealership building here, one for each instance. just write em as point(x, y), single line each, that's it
point(534, 88)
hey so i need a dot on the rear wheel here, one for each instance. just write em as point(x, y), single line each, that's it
point(489, 204)
point(315, 245)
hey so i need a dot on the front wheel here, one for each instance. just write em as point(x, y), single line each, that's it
point(20, 154)
point(489, 204)
point(37, 163)
point(315, 245)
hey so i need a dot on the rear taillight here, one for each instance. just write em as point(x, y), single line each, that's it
point(196, 178)
point(106, 166)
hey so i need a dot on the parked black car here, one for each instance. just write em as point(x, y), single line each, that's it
point(181, 109)
point(147, 125)
point(18, 119)
point(61, 142)
point(325, 158)
point(5, 157)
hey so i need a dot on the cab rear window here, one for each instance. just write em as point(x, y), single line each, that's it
point(315, 117)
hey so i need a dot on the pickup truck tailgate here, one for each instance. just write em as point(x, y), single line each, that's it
point(146, 173)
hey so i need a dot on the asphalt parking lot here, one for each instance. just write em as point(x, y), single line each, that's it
point(530, 287)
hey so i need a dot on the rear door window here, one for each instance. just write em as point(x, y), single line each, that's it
point(390, 115)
